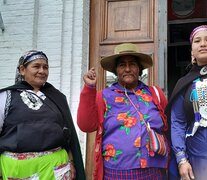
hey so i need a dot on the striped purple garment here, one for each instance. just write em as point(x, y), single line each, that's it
point(135, 174)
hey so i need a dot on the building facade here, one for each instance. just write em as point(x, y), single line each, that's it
point(75, 34)
point(60, 28)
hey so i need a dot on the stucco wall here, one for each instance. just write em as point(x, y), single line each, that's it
point(60, 29)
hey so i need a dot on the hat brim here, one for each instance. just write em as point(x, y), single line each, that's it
point(109, 63)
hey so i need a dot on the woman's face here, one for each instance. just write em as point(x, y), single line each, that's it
point(35, 73)
point(199, 47)
point(128, 71)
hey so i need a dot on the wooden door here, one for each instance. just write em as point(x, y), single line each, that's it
point(117, 21)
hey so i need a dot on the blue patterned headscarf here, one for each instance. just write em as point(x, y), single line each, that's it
point(27, 58)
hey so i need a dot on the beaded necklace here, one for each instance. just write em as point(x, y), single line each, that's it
point(198, 98)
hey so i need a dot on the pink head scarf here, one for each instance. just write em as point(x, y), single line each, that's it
point(197, 29)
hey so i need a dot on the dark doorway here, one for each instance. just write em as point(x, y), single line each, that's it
point(183, 17)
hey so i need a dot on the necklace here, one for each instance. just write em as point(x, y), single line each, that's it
point(201, 87)
point(203, 71)
point(199, 101)
point(31, 100)
point(126, 94)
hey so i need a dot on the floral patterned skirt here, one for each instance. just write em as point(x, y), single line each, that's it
point(48, 165)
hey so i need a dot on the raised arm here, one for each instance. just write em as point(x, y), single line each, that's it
point(87, 118)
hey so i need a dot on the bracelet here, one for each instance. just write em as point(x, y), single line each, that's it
point(183, 161)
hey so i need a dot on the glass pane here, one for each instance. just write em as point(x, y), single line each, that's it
point(145, 76)
point(110, 78)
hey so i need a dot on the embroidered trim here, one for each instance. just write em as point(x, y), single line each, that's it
point(31, 100)
point(32, 177)
point(7, 104)
point(29, 155)
point(180, 153)
point(199, 100)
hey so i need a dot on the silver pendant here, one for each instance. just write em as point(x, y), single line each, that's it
point(203, 71)
point(30, 100)
point(203, 111)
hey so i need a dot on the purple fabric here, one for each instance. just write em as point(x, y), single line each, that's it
point(178, 128)
point(125, 139)
point(199, 167)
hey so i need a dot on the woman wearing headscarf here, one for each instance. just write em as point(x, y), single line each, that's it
point(187, 110)
point(123, 115)
point(38, 139)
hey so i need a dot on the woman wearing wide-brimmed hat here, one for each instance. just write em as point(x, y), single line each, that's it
point(123, 115)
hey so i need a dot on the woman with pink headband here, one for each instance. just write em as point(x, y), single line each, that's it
point(187, 110)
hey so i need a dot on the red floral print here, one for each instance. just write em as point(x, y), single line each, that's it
point(122, 116)
point(130, 121)
point(139, 92)
point(111, 152)
point(119, 99)
point(137, 142)
point(119, 91)
point(146, 98)
point(143, 163)
point(107, 108)
point(21, 156)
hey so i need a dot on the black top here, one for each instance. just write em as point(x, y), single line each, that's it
point(183, 83)
point(59, 100)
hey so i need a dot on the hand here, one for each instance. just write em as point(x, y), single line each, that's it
point(72, 171)
point(90, 77)
point(186, 171)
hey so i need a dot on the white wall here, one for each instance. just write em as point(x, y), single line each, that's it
point(60, 28)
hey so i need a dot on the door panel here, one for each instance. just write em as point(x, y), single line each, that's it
point(125, 21)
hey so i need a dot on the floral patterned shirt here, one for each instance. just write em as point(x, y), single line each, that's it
point(125, 137)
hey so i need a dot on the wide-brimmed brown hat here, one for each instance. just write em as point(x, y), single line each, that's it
point(109, 62)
